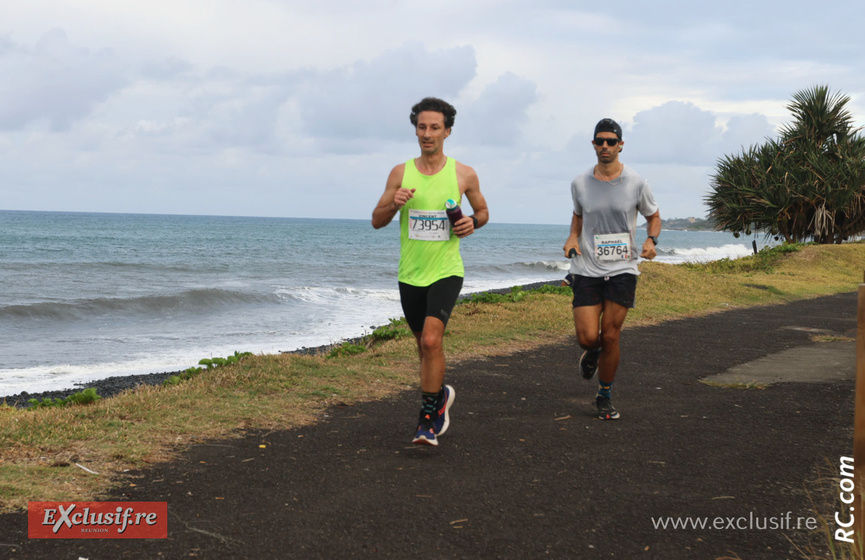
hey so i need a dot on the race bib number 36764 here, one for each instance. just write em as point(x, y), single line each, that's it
point(613, 247)
point(428, 225)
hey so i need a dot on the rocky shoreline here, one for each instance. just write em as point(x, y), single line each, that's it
point(111, 386)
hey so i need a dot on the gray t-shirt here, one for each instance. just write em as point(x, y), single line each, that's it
point(610, 207)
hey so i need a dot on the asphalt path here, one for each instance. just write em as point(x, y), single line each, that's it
point(526, 470)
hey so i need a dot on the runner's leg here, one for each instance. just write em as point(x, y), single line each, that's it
point(432, 356)
point(612, 320)
point(586, 321)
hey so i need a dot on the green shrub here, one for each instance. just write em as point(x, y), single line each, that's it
point(397, 328)
point(86, 396)
point(346, 349)
point(516, 294)
point(210, 363)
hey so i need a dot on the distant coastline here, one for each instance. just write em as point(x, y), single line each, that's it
point(686, 224)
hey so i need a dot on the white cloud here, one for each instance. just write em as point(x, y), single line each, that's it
point(680, 133)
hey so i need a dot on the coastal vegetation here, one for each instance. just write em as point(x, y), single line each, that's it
point(809, 184)
point(86, 396)
point(208, 363)
point(689, 224)
point(42, 449)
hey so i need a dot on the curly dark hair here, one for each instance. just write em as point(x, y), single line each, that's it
point(437, 105)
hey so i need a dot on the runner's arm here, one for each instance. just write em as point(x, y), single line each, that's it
point(573, 241)
point(653, 229)
point(471, 187)
point(393, 199)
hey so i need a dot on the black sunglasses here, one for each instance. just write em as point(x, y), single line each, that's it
point(609, 141)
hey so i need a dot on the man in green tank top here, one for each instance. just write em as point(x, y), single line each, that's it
point(430, 266)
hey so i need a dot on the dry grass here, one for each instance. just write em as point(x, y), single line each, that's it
point(823, 492)
point(40, 450)
point(668, 291)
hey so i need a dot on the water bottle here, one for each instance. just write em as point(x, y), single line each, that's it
point(454, 212)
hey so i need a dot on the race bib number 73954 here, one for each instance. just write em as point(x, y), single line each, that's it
point(428, 225)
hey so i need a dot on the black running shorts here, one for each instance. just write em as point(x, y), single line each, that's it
point(436, 300)
point(589, 291)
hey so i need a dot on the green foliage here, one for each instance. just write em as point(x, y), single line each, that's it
point(557, 290)
point(807, 184)
point(397, 328)
point(86, 396)
point(516, 294)
point(188, 373)
point(210, 363)
point(346, 349)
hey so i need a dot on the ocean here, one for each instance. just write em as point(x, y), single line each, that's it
point(88, 296)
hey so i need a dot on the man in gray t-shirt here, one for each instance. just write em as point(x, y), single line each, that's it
point(603, 248)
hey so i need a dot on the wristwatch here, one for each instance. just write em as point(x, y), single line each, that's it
point(475, 222)
point(654, 240)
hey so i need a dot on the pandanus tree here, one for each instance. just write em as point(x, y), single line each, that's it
point(807, 184)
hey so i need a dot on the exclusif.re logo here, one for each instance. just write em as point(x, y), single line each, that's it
point(97, 520)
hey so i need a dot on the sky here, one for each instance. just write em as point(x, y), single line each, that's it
point(293, 108)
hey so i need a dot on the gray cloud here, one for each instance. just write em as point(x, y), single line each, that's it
point(236, 111)
point(170, 67)
point(345, 108)
point(55, 82)
point(498, 116)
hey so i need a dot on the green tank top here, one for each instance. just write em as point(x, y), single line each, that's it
point(429, 251)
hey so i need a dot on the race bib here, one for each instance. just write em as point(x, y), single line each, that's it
point(613, 247)
point(428, 225)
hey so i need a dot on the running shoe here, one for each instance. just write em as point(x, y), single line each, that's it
point(605, 409)
point(589, 363)
point(444, 405)
point(426, 434)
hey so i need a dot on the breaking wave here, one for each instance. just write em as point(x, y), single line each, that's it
point(190, 300)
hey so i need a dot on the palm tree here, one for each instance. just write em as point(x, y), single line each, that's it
point(809, 184)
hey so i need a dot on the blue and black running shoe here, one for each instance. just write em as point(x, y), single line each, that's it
point(444, 420)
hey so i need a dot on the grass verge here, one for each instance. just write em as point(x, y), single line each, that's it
point(823, 492)
point(51, 453)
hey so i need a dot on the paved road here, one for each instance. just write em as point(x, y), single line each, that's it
point(526, 471)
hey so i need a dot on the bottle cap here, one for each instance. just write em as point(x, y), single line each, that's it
point(450, 204)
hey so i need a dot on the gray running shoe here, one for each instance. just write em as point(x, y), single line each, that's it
point(589, 363)
point(605, 409)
